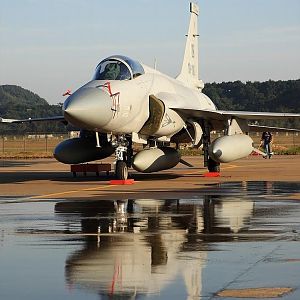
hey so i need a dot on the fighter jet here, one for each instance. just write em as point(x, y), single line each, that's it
point(127, 102)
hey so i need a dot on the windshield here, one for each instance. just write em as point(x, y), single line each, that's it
point(118, 68)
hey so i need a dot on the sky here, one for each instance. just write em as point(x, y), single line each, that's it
point(48, 46)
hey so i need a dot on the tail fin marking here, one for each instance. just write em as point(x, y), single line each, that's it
point(189, 74)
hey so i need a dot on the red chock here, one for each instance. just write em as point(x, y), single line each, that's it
point(212, 174)
point(121, 182)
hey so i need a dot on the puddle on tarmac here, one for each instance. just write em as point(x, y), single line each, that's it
point(233, 236)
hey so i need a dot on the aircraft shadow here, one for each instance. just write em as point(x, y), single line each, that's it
point(16, 163)
point(18, 177)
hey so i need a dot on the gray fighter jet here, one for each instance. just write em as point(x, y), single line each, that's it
point(128, 102)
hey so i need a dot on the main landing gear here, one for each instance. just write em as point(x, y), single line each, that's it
point(211, 165)
point(123, 154)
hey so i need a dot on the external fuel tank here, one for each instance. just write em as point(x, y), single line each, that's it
point(155, 159)
point(231, 147)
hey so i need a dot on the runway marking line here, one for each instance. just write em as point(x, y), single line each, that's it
point(261, 292)
point(230, 167)
point(71, 192)
point(225, 168)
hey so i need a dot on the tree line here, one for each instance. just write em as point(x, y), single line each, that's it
point(19, 103)
point(270, 96)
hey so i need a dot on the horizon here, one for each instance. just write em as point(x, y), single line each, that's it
point(238, 42)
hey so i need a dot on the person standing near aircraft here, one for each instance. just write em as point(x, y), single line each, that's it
point(266, 141)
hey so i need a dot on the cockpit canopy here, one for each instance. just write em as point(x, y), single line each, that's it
point(118, 67)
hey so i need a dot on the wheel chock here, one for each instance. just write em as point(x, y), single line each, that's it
point(212, 174)
point(121, 182)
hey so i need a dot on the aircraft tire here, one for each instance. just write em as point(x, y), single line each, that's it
point(121, 171)
point(213, 166)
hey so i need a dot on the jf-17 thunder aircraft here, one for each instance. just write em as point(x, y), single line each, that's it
point(127, 102)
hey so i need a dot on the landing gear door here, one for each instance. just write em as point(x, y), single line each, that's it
point(198, 134)
point(156, 114)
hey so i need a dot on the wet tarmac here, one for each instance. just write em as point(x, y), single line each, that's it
point(231, 236)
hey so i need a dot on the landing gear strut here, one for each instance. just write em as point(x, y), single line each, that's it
point(211, 165)
point(123, 155)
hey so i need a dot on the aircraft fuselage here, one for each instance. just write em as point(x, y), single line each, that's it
point(122, 106)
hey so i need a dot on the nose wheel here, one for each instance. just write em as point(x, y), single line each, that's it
point(121, 170)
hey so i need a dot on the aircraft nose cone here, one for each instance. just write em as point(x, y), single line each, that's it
point(88, 108)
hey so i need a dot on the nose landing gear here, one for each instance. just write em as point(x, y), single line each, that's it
point(123, 154)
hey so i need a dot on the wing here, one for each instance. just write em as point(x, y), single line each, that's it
point(190, 109)
point(257, 128)
point(47, 119)
point(219, 118)
point(220, 115)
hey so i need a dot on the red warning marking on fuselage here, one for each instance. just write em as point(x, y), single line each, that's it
point(107, 85)
point(115, 97)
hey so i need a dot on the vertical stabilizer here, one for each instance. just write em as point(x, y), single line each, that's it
point(189, 74)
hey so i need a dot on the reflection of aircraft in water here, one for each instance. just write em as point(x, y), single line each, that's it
point(144, 245)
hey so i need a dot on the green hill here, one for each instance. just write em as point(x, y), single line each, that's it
point(19, 103)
